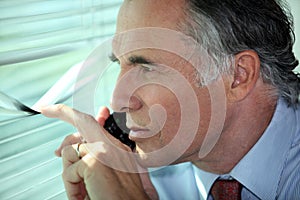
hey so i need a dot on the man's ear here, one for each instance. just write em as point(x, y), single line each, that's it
point(246, 74)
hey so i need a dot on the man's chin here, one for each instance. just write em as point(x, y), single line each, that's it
point(148, 160)
point(148, 163)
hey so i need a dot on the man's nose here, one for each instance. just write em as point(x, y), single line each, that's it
point(120, 103)
point(124, 98)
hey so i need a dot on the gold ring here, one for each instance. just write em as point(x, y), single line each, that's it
point(77, 150)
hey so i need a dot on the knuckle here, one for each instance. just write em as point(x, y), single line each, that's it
point(64, 174)
point(60, 108)
point(68, 140)
point(73, 138)
point(66, 149)
point(92, 163)
point(88, 117)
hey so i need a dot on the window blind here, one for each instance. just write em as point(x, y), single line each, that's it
point(39, 42)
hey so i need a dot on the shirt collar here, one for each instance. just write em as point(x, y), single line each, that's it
point(265, 160)
point(204, 181)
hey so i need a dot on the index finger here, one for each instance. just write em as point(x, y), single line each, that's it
point(102, 115)
point(86, 124)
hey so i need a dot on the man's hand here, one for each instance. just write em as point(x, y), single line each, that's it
point(75, 138)
point(93, 176)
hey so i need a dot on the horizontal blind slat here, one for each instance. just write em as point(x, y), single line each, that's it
point(57, 37)
point(104, 3)
point(44, 71)
point(24, 161)
point(45, 189)
point(44, 52)
point(29, 180)
point(61, 10)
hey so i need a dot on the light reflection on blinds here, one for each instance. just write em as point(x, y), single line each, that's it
point(58, 27)
point(40, 40)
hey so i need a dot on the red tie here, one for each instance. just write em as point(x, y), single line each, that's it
point(226, 190)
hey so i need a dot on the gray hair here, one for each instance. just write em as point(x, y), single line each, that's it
point(227, 27)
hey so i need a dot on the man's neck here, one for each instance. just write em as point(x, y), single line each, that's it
point(245, 124)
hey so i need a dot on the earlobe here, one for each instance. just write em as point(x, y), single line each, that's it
point(246, 74)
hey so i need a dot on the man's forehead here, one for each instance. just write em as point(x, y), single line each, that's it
point(153, 38)
point(154, 4)
point(150, 13)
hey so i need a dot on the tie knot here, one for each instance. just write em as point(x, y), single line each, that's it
point(226, 189)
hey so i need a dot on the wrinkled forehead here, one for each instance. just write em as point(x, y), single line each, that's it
point(150, 13)
point(155, 24)
point(163, 39)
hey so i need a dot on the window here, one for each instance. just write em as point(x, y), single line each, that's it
point(40, 41)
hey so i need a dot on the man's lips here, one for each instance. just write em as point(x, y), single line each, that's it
point(136, 134)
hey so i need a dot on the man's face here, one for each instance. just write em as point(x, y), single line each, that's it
point(157, 88)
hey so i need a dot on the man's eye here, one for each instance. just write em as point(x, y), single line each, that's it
point(147, 68)
point(113, 58)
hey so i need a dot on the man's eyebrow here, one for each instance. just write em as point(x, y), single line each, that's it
point(134, 59)
point(139, 60)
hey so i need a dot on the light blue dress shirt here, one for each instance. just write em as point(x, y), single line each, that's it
point(269, 171)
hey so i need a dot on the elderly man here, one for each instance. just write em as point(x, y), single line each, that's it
point(219, 105)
